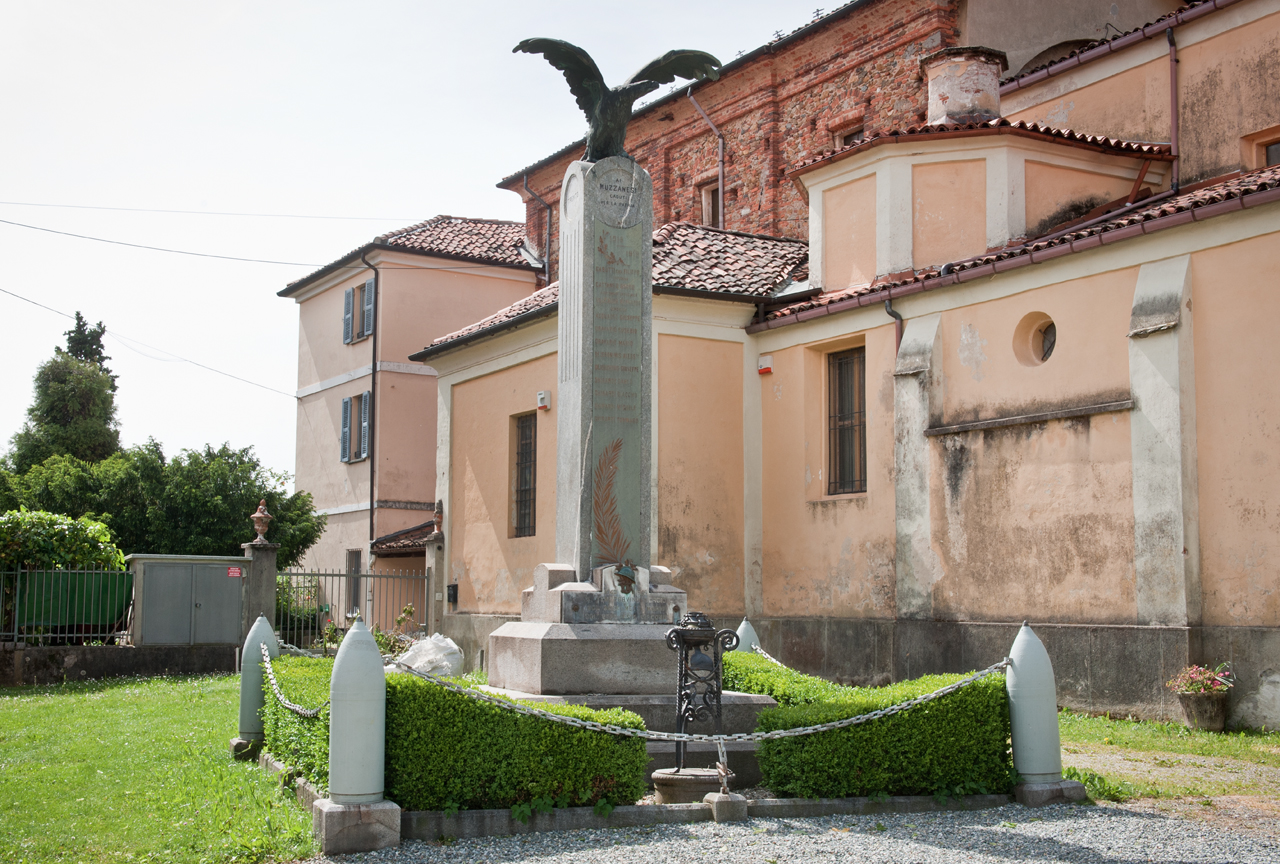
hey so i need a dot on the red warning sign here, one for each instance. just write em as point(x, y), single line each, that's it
point(234, 572)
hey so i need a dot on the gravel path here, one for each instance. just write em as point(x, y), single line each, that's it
point(1106, 834)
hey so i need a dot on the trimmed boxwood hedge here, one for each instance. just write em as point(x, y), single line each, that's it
point(446, 751)
point(301, 743)
point(955, 745)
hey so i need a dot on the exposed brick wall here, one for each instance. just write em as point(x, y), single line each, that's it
point(774, 111)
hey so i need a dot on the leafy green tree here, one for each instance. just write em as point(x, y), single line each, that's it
point(85, 343)
point(196, 503)
point(36, 539)
point(74, 413)
point(74, 410)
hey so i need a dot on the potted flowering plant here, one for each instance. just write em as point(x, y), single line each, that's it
point(1203, 694)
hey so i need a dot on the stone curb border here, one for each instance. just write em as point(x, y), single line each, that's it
point(435, 825)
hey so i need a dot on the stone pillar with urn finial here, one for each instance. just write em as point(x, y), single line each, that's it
point(258, 589)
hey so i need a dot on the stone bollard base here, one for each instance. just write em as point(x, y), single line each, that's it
point(726, 807)
point(1041, 794)
point(244, 749)
point(341, 829)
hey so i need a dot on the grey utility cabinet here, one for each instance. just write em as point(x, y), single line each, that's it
point(187, 599)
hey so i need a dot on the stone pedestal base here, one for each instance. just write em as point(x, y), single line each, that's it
point(341, 829)
point(574, 659)
point(244, 749)
point(1040, 794)
point(726, 808)
point(687, 786)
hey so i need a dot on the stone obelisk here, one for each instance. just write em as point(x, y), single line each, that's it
point(605, 366)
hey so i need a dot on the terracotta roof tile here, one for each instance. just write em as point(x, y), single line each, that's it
point(688, 257)
point(1202, 203)
point(997, 126)
point(483, 241)
point(702, 258)
point(408, 540)
point(487, 241)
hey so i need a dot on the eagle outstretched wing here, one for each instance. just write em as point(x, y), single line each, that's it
point(691, 65)
point(585, 81)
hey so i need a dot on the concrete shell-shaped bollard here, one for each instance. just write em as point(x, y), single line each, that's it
point(249, 740)
point(357, 720)
point(1033, 710)
point(747, 638)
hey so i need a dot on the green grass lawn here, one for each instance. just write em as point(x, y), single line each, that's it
point(1251, 745)
point(137, 770)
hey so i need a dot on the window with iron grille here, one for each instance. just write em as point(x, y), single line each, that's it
point(526, 473)
point(847, 424)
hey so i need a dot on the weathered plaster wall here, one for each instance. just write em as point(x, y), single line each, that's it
point(1025, 30)
point(982, 378)
point(1235, 304)
point(490, 566)
point(1228, 85)
point(700, 479)
point(1035, 520)
point(948, 211)
point(826, 555)
point(849, 234)
point(1057, 194)
point(343, 531)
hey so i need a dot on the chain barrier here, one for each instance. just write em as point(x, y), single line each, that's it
point(719, 740)
point(275, 688)
point(766, 655)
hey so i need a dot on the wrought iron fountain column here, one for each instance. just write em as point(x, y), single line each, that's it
point(699, 650)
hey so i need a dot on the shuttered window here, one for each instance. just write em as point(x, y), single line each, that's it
point(847, 422)
point(365, 402)
point(348, 313)
point(346, 430)
point(526, 474)
point(366, 326)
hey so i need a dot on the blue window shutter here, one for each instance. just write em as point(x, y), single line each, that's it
point(346, 429)
point(364, 425)
point(369, 293)
point(348, 302)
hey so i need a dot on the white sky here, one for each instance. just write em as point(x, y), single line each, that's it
point(378, 109)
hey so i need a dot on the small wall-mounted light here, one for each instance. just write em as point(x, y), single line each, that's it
point(544, 400)
point(764, 365)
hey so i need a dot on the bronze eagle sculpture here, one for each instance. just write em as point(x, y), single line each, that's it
point(608, 110)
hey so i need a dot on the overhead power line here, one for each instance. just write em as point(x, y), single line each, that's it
point(126, 339)
point(236, 258)
point(209, 212)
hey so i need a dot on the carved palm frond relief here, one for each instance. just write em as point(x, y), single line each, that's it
point(610, 539)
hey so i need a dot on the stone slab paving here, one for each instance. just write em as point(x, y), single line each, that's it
point(1104, 834)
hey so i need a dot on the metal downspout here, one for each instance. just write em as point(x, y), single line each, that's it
point(1175, 178)
point(721, 191)
point(897, 323)
point(373, 398)
point(546, 250)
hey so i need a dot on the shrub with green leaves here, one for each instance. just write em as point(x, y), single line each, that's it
point(751, 673)
point(302, 743)
point(34, 539)
point(955, 745)
point(446, 752)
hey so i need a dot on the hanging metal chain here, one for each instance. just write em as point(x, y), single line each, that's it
point(719, 740)
point(766, 655)
point(275, 688)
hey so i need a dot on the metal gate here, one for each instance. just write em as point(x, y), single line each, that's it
point(314, 609)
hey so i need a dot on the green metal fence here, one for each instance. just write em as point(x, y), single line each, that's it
point(65, 607)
